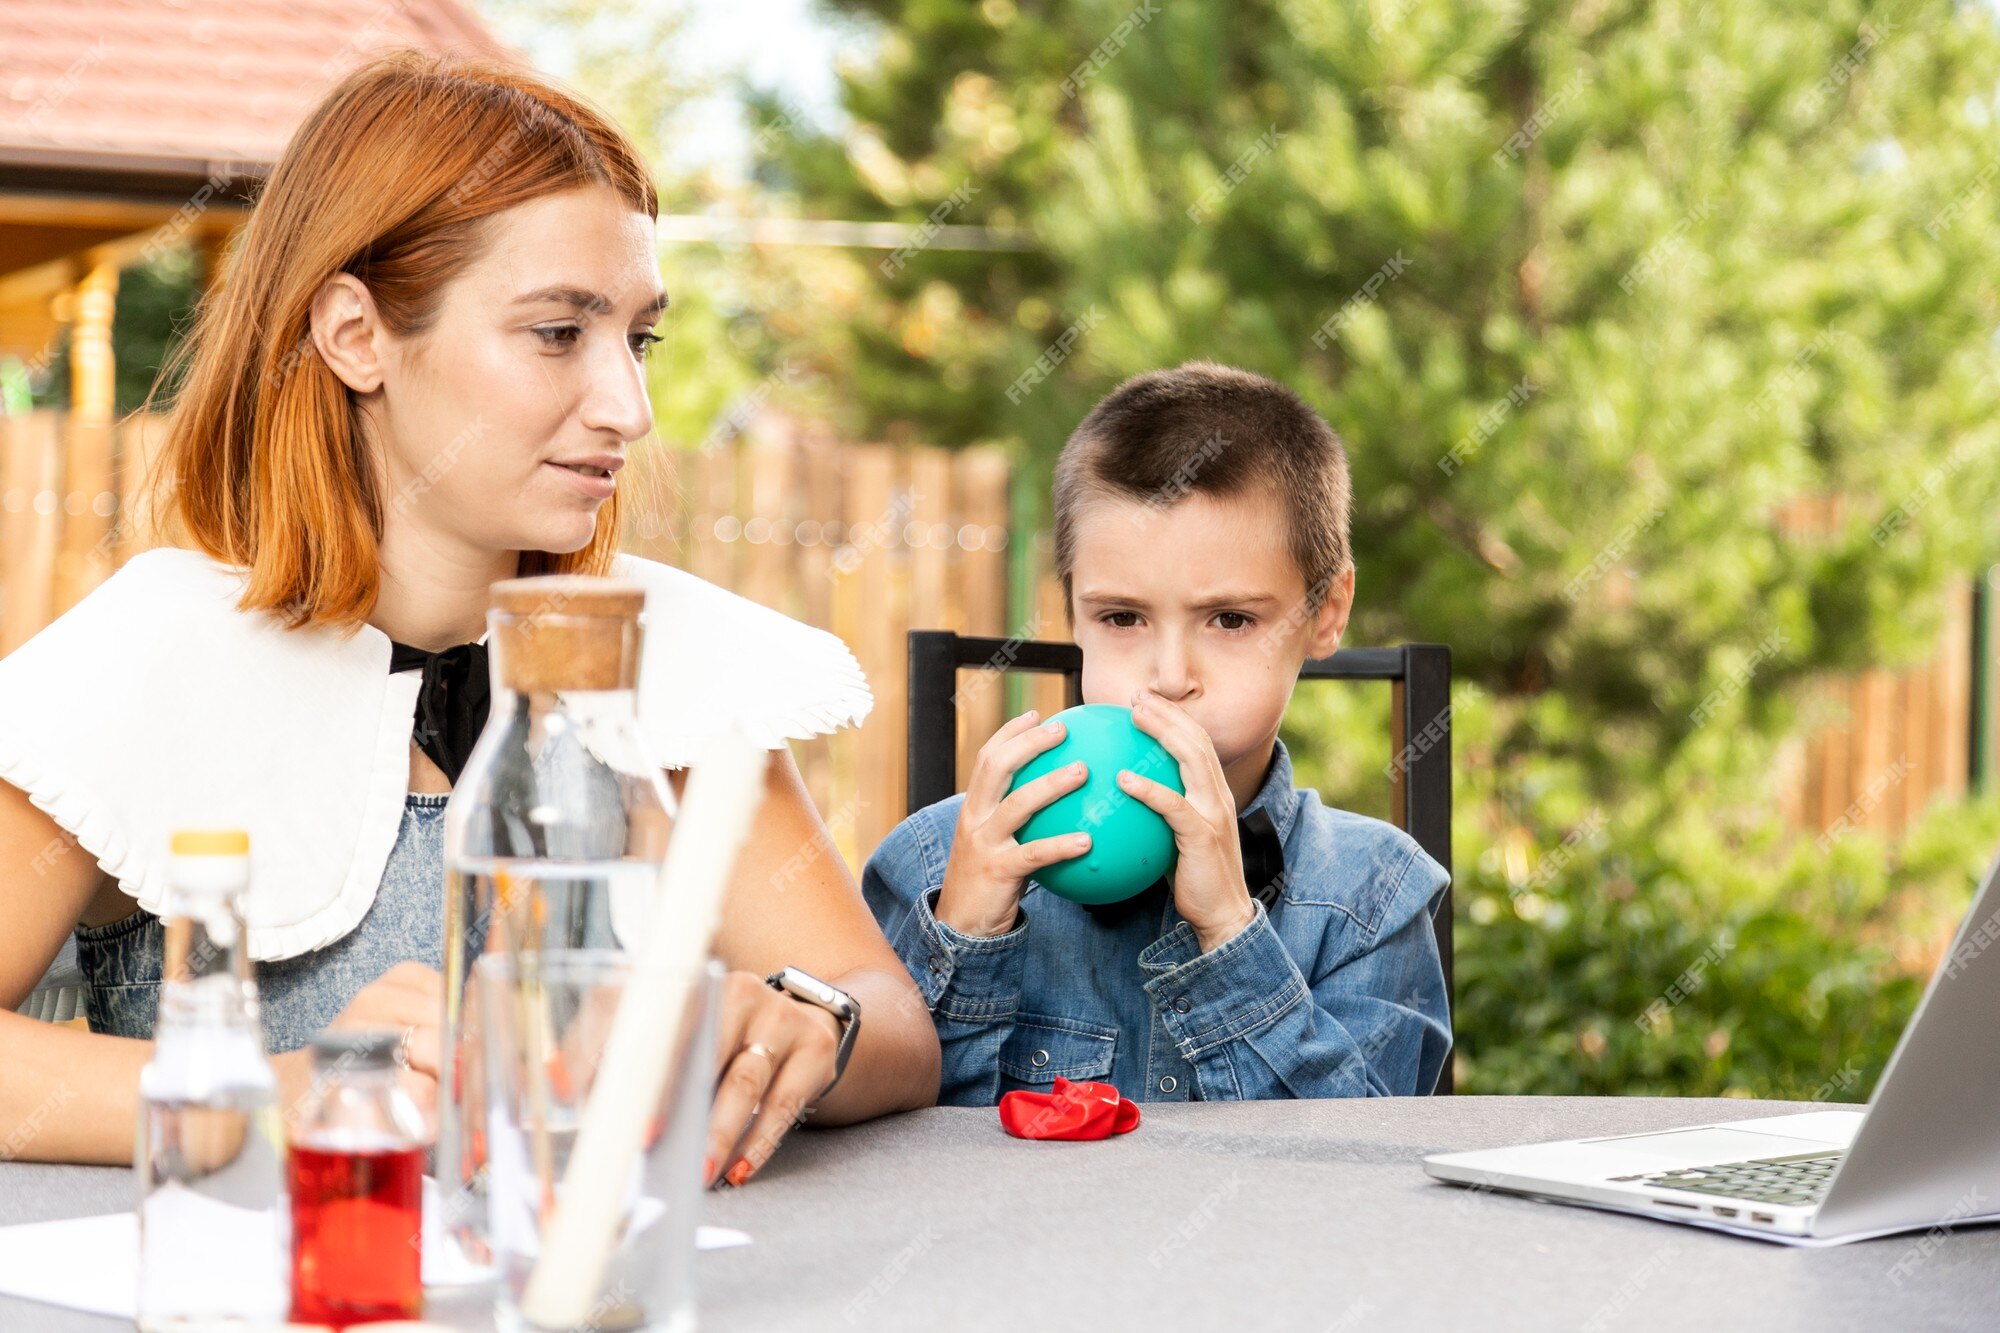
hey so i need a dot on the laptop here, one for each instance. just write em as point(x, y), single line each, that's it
point(1924, 1153)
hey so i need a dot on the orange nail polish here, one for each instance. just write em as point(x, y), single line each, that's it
point(739, 1173)
point(708, 1170)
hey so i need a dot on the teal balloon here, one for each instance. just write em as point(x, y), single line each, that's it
point(1130, 845)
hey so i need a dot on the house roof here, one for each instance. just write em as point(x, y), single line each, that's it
point(96, 90)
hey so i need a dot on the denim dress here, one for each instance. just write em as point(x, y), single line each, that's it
point(121, 961)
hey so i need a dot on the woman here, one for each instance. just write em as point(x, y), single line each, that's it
point(430, 343)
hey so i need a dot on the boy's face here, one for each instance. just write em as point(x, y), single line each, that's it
point(1200, 602)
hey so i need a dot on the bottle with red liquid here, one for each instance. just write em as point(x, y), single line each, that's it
point(356, 1165)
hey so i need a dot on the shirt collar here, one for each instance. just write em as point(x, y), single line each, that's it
point(1276, 795)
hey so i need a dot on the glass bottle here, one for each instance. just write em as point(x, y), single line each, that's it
point(209, 1151)
point(356, 1172)
point(553, 838)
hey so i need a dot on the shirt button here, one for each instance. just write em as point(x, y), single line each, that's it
point(1038, 1059)
point(937, 965)
point(1169, 1083)
point(1181, 1005)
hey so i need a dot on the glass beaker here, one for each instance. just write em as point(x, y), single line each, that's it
point(548, 1017)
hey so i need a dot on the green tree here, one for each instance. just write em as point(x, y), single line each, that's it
point(1596, 293)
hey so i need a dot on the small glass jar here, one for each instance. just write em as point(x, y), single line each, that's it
point(356, 1166)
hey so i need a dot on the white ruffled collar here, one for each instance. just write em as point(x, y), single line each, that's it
point(155, 704)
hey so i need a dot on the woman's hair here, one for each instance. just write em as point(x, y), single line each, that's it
point(391, 178)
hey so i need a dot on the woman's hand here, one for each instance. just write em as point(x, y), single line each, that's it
point(408, 998)
point(774, 1057)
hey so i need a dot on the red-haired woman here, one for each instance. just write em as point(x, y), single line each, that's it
point(420, 377)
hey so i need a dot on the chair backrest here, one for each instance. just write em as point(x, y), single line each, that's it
point(1419, 675)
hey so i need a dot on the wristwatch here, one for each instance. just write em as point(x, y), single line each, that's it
point(809, 989)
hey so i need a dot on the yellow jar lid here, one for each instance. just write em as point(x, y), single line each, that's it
point(211, 842)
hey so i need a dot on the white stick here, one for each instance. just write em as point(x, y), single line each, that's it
point(723, 792)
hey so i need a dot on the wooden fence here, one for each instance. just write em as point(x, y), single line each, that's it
point(1884, 744)
point(870, 541)
point(1895, 741)
point(866, 540)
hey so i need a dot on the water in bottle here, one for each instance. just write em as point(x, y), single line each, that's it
point(213, 1234)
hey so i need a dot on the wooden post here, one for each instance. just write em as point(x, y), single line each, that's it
point(768, 442)
point(1048, 693)
point(134, 525)
point(712, 503)
point(213, 247)
point(931, 553)
point(1980, 757)
point(30, 471)
point(1951, 751)
point(829, 769)
point(865, 592)
point(86, 501)
point(983, 492)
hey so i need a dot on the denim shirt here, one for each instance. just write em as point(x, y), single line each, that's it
point(1337, 991)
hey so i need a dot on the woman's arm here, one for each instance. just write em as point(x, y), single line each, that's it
point(73, 1096)
point(793, 903)
point(68, 1096)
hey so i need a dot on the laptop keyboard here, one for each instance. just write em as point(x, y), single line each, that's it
point(1799, 1179)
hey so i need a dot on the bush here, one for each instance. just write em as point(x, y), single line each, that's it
point(1700, 955)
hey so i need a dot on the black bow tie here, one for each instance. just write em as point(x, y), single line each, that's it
point(1263, 871)
point(1263, 856)
point(452, 702)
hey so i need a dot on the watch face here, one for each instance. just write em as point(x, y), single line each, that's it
point(809, 988)
point(805, 984)
point(816, 988)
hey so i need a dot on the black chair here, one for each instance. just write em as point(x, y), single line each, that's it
point(1420, 731)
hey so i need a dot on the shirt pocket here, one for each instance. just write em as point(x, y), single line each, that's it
point(1042, 1048)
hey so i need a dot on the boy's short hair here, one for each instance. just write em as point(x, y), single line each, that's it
point(1201, 427)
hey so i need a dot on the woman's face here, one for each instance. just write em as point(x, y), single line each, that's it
point(490, 426)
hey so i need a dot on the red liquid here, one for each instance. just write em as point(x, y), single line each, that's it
point(357, 1235)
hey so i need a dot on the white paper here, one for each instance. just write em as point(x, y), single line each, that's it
point(85, 1263)
point(446, 1266)
point(187, 1228)
point(92, 1263)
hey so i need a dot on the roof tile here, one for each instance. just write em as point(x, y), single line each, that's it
point(206, 79)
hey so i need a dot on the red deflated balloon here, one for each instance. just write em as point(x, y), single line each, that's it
point(1072, 1111)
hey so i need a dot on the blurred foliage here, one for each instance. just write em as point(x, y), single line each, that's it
point(156, 301)
point(1596, 293)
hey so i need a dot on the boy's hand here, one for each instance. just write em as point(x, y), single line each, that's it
point(983, 878)
point(1208, 882)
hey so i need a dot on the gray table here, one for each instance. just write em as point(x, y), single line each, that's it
point(1271, 1215)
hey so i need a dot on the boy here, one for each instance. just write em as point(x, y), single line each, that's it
point(1201, 539)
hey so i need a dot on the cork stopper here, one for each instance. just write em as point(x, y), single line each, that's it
point(566, 632)
point(210, 842)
